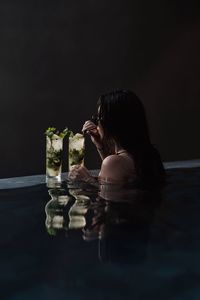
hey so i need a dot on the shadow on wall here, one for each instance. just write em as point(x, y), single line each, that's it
point(175, 82)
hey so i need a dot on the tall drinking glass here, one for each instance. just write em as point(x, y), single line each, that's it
point(76, 150)
point(54, 149)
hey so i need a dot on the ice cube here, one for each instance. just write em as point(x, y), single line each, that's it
point(77, 141)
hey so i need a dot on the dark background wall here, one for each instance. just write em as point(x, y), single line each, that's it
point(57, 57)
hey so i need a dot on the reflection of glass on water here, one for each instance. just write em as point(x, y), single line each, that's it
point(54, 147)
point(57, 211)
point(76, 150)
point(78, 210)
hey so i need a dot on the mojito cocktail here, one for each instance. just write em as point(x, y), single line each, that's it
point(76, 150)
point(54, 148)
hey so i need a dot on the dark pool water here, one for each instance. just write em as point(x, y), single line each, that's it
point(73, 244)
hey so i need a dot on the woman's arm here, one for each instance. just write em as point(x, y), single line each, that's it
point(103, 148)
point(101, 153)
point(81, 173)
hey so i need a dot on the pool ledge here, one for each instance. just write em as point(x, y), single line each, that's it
point(19, 182)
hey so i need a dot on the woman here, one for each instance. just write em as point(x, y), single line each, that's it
point(120, 134)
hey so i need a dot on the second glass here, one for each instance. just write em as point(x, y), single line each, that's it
point(76, 150)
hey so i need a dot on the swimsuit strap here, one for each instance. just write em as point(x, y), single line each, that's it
point(120, 151)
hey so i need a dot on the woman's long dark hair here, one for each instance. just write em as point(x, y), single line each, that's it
point(122, 116)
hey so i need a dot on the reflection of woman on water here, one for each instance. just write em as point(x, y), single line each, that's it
point(122, 226)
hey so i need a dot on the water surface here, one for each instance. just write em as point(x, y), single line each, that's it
point(78, 242)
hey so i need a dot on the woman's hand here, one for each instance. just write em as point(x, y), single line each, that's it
point(80, 173)
point(90, 128)
point(104, 148)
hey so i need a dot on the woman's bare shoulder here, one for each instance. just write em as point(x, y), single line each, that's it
point(111, 160)
point(116, 167)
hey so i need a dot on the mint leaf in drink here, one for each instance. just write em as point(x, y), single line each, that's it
point(66, 132)
point(50, 131)
point(76, 156)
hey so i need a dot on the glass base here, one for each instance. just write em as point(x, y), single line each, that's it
point(53, 181)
